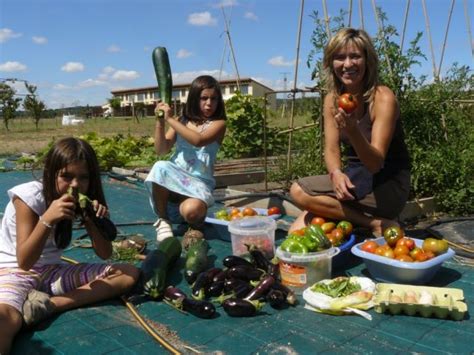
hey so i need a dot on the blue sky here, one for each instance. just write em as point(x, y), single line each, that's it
point(77, 51)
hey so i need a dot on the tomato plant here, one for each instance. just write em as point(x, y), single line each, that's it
point(347, 102)
point(273, 210)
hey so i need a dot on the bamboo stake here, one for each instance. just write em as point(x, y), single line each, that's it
point(468, 25)
point(446, 36)
point(231, 48)
point(349, 22)
point(295, 82)
point(361, 14)
point(326, 19)
point(404, 26)
point(427, 22)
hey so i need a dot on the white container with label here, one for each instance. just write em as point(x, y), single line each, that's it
point(299, 271)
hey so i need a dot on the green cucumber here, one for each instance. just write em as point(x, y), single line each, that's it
point(162, 67)
point(156, 266)
point(196, 260)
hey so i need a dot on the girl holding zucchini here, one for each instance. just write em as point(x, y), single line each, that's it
point(34, 282)
point(181, 187)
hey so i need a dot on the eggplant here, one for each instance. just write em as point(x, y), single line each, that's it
point(274, 270)
point(245, 272)
point(234, 260)
point(215, 289)
point(236, 307)
point(259, 259)
point(289, 294)
point(237, 288)
point(261, 290)
point(276, 299)
point(178, 299)
point(220, 276)
point(203, 281)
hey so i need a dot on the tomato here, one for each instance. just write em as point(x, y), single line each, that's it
point(430, 254)
point(318, 220)
point(346, 227)
point(369, 246)
point(338, 234)
point(414, 252)
point(406, 258)
point(222, 214)
point(273, 210)
point(388, 253)
point(299, 232)
point(333, 240)
point(421, 256)
point(234, 212)
point(392, 235)
point(401, 250)
point(436, 246)
point(248, 211)
point(347, 102)
point(380, 250)
point(328, 227)
point(408, 242)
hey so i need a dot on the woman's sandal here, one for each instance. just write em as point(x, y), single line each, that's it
point(163, 229)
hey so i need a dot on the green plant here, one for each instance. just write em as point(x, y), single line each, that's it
point(32, 104)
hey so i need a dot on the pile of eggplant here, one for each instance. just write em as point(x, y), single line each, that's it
point(242, 287)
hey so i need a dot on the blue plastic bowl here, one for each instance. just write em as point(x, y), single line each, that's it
point(342, 259)
point(395, 271)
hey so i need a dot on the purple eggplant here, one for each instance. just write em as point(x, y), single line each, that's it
point(259, 259)
point(215, 289)
point(261, 289)
point(237, 287)
point(289, 294)
point(245, 272)
point(236, 307)
point(234, 260)
point(220, 276)
point(276, 299)
point(202, 283)
point(179, 300)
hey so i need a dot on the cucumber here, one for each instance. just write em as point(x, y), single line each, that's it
point(156, 266)
point(162, 67)
point(196, 260)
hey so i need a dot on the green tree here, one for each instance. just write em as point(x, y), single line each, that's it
point(8, 103)
point(138, 111)
point(32, 104)
point(114, 102)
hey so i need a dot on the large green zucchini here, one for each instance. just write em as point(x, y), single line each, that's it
point(161, 63)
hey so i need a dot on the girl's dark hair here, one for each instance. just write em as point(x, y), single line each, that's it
point(64, 152)
point(192, 110)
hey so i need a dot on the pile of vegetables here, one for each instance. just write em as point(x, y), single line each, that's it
point(233, 213)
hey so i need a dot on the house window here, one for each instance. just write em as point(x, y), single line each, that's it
point(244, 89)
point(140, 97)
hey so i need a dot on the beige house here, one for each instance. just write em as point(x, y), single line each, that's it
point(149, 95)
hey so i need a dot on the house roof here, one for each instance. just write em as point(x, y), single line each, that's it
point(186, 85)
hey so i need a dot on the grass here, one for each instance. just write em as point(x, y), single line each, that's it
point(23, 137)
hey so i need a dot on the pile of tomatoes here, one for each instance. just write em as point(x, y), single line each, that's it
point(400, 247)
point(237, 213)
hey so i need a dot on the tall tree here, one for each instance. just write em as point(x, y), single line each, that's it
point(114, 102)
point(8, 103)
point(33, 105)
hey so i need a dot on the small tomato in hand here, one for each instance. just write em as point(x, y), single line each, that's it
point(347, 102)
point(273, 210)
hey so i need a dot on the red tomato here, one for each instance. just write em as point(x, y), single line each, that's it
point(318, 220)
point(406, 258)
point(421, 256)
point(369, 246)
point(248, 211)
point(401, 250)
point(408, 242)
point(273, 210)
point(338, 234)
point(392, 235)
point(347, 102)
point(388, 253)
point(346, 227)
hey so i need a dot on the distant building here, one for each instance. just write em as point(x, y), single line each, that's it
point(149, 95)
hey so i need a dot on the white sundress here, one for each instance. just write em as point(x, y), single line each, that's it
point(189, 171)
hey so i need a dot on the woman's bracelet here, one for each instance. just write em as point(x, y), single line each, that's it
point(46, 224)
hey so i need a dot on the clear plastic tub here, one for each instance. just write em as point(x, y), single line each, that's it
point(299, 271)
point(258, 231)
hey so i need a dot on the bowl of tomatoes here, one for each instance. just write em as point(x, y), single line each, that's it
point(405, 260)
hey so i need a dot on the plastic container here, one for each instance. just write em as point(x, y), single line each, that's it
point(258, 231)
point(299, 271)
point(395, 271)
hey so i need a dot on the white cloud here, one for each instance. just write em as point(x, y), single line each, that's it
point(226, 3)
point(61, 87)
point(279, 61)
point(7, 34)
point(113, 48)
point(183, 53)
point(71, 67)
point(251, 16)
point(39, 40)
point(202, 19)
point(188, 76)
point(125, 75)
point(90, 83)
point(108, 70)
point(12, 67)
